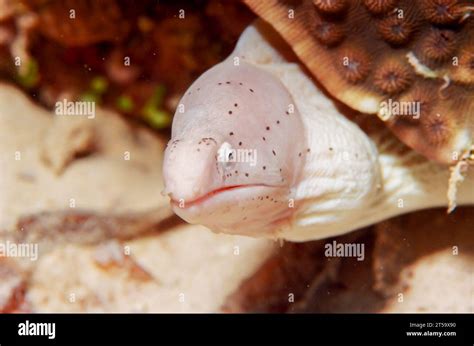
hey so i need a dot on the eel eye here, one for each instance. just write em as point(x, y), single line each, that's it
point(226, 155)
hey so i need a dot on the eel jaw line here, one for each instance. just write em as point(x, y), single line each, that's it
point(182, 204)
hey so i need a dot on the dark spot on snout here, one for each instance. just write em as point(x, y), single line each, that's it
point(207, 140)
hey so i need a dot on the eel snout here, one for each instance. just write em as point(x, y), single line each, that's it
point(189, 168)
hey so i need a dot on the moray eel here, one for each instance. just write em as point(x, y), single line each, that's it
point(257, 149)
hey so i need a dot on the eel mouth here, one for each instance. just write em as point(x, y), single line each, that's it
point(218, 192)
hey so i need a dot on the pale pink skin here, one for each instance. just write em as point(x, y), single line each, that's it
point(245, 107)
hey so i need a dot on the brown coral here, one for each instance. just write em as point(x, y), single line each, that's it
point(422, 98)
point(328, 33)
point(438, 45)
point(463, 71)
point(330, 6)
point(388, 46)
point(395, 29)
point(438, 128)
point(354, 64)
point(392, 77)
point(379, 6)
point(441, 11)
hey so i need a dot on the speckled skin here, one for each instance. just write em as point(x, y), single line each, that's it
point(248, 110)
point(317, 174)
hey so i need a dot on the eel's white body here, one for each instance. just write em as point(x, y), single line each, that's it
point(350, 178)
point(373, 175)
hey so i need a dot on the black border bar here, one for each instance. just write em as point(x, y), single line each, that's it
point(261, 329)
